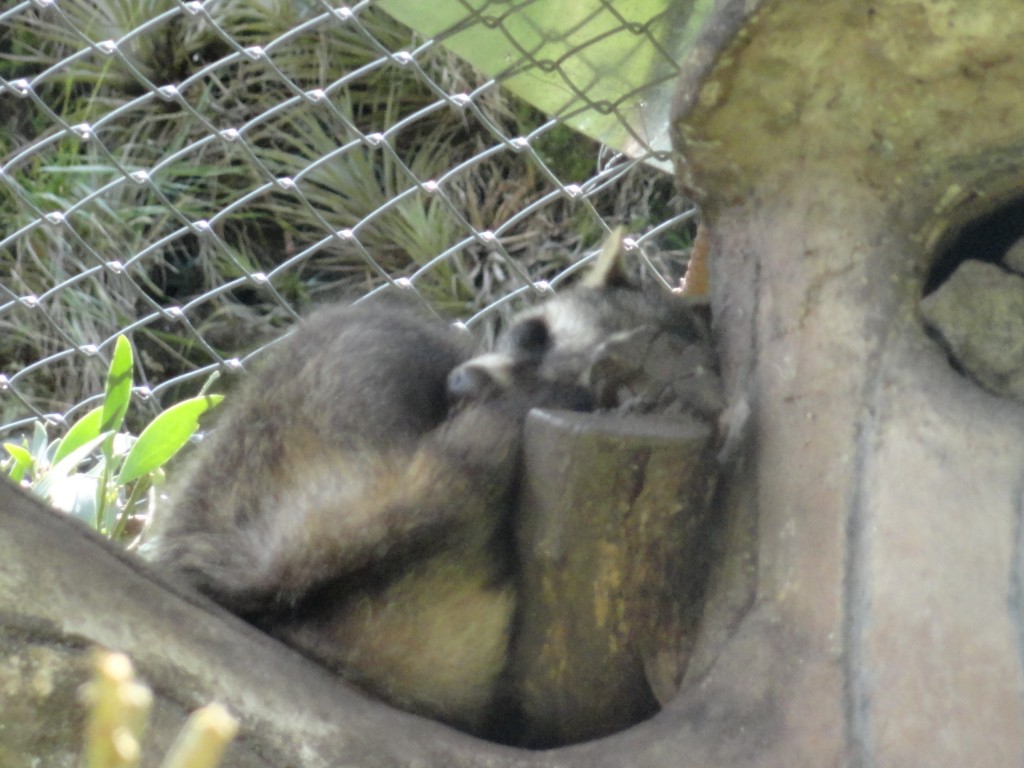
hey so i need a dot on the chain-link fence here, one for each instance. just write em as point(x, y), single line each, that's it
point(196, 175)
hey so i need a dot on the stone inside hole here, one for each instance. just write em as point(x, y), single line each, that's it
point(974, 300)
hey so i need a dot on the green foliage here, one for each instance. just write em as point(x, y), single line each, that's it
point(137, 169)
point(98, 471)
point(323, 163)
point(570, 156)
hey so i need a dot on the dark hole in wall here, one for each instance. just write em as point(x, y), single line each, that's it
point(973, 303)
point(986, 238)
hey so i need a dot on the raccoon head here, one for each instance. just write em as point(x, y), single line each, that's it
point(567, 352)
point(526, 366)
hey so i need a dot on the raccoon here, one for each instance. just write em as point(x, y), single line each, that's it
point(350, 505)
point(356, 498)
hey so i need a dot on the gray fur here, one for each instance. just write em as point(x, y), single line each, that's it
point(355, 497)
point(573, 342)
point(339, 481)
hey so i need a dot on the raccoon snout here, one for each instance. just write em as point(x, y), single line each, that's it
point(481, 377)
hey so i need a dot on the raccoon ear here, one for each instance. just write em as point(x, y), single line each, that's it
point(607, 270)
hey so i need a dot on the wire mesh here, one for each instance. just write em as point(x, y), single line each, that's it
point(197, 175)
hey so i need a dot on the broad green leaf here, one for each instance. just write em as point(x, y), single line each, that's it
point(84, 430)
point(164, 437)
point(118, 390)
point(621, 54)
point(22, 461)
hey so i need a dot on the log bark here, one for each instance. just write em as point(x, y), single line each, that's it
point(613, 535)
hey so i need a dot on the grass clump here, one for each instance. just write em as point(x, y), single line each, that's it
point(237, 161)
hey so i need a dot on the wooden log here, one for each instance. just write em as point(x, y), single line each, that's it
point(612, 535)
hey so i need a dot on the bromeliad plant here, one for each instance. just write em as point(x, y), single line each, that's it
point(98, 471)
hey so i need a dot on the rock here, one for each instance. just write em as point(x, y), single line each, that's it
point(978, 314)
point(1014, 257)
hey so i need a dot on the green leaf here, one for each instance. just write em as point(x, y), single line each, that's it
point(118, 390)
point(164, 437)
point(84, 430)
point(39, 439)
point(67, 465)
point(22, 461)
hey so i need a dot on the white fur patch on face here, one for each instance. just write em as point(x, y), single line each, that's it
point(496, 365)
point(482, 375)
point(573, 325)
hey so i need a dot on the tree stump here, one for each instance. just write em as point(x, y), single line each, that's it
point(613, 535)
